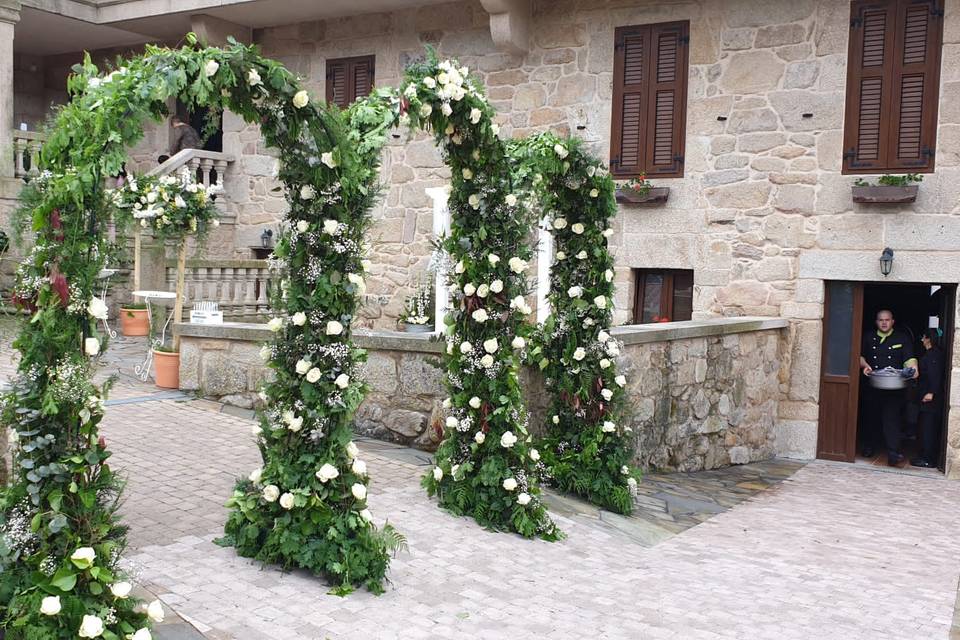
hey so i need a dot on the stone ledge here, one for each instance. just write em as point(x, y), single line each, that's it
point(363, 338)
point(645, 333)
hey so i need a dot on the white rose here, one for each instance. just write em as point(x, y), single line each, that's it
point(303, 366)
point(429, 82)
point(179, 202)
point(555, 419)
point(357, 280)
point(307, 192)
point(330, 227)
point(621, 381)
point(275, 324)
point(256, 475)
point(474, 402)
point(352, 450)
point(50, 606)
point(91, 627)
point(327, 472)
point(517, 265)
point(601, 302)
point(299, 318)
point(577, 228)
point(313, 375)
point(253, 78)
point(271, 492)
point(295, 423)
point(608, 427)
point(97, 308)
point(459, 267)
point(518, 342)
point(359, 467)
point(613, 349)
point(579, 354)
point(493, 259)
point(594, 193)
point(155, 611)
point(366, 515)
point(286, 501)
point(561, 256)
point(480, 315)
point(560, 150)
point(121, 589)
point(511, 200)
point(496, 286)
point(604, 363)
point(523, 498)
point(211, 67)
point(327, 158)
point(479, 437)
point(342, 381)
point(582, 255)
point(83, 557)
point(467, 174)
point(469, 289)
point(359, 491)
point(608, 275)
point(437, 474)
point(607, 394)
point(495, 128)
point(607, 232)
point(632, 483)
point(483, 290)
point(475, 115)
point(474, 201)
point(426, 109)
point(510, 484)
point(301, 99)
point(534, 455)
point(465, 347)
point(446, 109)
point(91, 346)
point(517, 303)
point(142, 634)
point(334, 328)
point(302, 226)
point(491, 345)
point(559, 223)
point(486, 361)
point(574, 292)
point(452, 422)
point(507, 440)
point(603, 336)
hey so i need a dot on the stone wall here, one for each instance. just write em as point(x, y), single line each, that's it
point(702, 394)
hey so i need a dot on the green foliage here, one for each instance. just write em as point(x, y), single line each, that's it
point(587, 450)
point(888, 180)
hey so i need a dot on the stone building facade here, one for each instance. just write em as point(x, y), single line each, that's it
point(763, 215)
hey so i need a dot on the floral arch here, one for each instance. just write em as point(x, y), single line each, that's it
point(61, 577)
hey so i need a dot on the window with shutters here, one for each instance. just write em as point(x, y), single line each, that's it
point(649, 100)
point(663, 295)
point(349, 79)
point(893, 85)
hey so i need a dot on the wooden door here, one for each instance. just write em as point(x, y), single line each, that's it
point(840, 371)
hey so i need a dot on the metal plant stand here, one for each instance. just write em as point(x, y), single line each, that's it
point(104, 276)
point(142, 370)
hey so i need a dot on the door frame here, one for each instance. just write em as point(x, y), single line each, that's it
point(949, 334)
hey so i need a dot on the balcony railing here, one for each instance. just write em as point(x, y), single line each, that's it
point(240, 287)
point(210, 167)
point(26, 149)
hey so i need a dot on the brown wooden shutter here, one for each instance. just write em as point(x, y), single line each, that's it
point(349, 79)
point(649, 100)
point(892, 85)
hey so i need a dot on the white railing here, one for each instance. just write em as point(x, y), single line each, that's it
point(241, 288)
point(26, 149)
point(210, 167)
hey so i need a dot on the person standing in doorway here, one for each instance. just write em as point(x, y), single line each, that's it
point(931, 399)
point(184, 136)
point(886, 347)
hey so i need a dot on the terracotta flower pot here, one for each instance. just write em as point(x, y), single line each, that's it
point(166, 369)
point(134, 322)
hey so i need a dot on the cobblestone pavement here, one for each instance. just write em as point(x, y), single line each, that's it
point(831, 551)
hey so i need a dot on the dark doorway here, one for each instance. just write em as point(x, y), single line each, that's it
point(200, 120)
point(847, 415)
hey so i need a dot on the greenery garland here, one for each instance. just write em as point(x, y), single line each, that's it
point(587, 449)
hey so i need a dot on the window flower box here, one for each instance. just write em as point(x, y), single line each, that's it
point(654, 195)
point(885, 194)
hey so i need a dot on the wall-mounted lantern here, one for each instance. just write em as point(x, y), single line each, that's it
point(266, 238)
point(886, 261)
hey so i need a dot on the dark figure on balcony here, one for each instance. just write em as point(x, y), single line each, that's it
point(184, 136)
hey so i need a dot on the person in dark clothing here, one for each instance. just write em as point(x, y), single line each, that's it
point(184, 136)
point(931, 399)
point(886, 347)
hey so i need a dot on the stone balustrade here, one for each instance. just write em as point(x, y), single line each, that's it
point(26, 150)
point(700, 394)
point(241, 288)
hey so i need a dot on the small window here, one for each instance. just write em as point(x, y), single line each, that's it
point(649, 100)
point(349, 79)
point(663, 295)
point(893, 85)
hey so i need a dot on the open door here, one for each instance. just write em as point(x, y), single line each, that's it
point(840, 371)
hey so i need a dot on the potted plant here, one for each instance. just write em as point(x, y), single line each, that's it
point(166, 358)
point(888, 190)
point(417, 316)
point(133, 319)
point(639, 190)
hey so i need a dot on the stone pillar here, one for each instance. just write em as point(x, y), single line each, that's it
point(213, 31)
point(9, 16)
